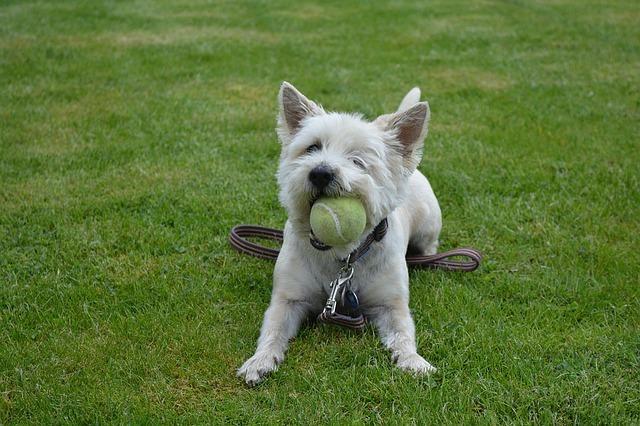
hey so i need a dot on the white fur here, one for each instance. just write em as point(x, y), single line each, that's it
point(376, 162)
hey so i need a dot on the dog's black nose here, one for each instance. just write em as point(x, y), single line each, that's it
point(320, 177)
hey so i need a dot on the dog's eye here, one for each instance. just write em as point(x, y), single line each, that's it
point(358, 162)
point(314, 148)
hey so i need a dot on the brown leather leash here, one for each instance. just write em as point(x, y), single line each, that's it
point(447, 260)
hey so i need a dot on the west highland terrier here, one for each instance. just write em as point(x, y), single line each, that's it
point(343, 155)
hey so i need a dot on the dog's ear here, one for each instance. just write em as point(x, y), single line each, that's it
point(410, 129)
point(411, 124)
point(294, 107)
point(410, 99)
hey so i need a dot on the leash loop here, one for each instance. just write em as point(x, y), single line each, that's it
point(446, 260)
point(238, 240)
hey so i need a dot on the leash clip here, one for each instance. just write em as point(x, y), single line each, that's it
point(329, 314)
point(345, 276)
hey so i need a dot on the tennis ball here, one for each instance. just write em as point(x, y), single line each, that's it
point(337, 221)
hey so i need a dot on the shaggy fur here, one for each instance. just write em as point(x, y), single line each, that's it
point(375, 162)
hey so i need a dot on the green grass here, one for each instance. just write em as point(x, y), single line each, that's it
point(134, 135)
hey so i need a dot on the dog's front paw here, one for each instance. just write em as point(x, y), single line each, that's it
point(414, 363)
point(256, 368)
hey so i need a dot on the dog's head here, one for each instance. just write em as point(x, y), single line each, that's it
point(337, 154)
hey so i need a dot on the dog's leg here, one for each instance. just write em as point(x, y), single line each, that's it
point(281, 322)
point(397, 331)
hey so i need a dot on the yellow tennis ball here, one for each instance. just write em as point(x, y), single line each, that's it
point(338, 221)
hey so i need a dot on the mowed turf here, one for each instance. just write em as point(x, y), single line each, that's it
point(134, 135)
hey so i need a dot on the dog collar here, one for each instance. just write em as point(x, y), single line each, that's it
point(376, 235)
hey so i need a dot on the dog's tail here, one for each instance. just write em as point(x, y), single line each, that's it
point(411, 98)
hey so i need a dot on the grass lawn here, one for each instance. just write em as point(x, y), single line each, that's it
point(135, 134)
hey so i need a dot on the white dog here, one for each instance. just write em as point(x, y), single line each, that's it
point(335, 154)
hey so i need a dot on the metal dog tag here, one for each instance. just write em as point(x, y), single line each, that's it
point(349, 299)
